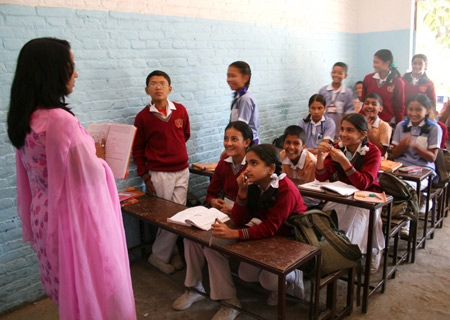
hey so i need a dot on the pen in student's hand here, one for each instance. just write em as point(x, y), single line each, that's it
point(211, 236)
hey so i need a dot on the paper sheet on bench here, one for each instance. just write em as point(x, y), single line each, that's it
point(200, 217)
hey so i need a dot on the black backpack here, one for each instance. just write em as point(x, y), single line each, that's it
point(442, 167)
point(316, 228)
point(405, 197)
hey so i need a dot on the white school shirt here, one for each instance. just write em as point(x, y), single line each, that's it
point(169, 107)
point(300, 164)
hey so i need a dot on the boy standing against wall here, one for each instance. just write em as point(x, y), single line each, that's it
point(339, 97)
point(159, 152)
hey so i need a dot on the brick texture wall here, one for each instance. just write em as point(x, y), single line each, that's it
point(114, 52)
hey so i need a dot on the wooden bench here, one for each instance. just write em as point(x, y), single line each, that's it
point(278, 255)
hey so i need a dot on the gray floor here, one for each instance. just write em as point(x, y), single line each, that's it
point(420, 291)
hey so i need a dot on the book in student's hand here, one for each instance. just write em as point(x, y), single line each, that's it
point(199, 216)
point(119, 139)
point(338, 187)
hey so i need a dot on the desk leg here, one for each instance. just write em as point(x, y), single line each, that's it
point(317, 285)
point(386, 247)
point(414, 227)
point(427, 213)
point(368, 259)
point(281, 296)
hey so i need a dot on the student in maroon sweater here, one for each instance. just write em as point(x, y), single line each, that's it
point(238, 138)
point(159, 152)
point(357, 162)
point(417, 80)
point(264, 202)
point(386, 81)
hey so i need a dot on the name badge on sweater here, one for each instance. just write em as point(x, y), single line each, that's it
point(390, 88)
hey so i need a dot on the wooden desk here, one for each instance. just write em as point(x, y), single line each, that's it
point(200, 172)
point(327, 196)
point(278, 255)
point(418, 177)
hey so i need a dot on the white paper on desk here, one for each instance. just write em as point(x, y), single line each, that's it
point(199, 216)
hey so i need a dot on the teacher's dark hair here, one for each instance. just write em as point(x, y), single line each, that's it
point(270, 155)
point(44, 68)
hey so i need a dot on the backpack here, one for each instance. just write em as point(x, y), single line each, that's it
point(405, 197)
point(315, 227)
point(442, 164)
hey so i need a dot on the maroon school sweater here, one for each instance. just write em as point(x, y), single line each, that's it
point(160, 144)
point(393, 97)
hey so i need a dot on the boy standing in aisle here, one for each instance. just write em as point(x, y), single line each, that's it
point(339, 97)
point(159, 152)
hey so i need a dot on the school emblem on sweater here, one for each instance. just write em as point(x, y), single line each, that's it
point(423, 89)
point(390, 88)
point(179, 123)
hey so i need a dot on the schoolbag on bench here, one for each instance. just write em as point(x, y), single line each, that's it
point(316, 228)
point(405, 197)
point(442, 167)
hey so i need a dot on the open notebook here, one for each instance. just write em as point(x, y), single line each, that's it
point(199, 216)
point(338, 187)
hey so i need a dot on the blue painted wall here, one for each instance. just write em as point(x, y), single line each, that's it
point(398, 41)
point(114, 52)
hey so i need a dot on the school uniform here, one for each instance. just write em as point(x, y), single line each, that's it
point(353, 220)
point(430, 140)
point(245, 109)
point(339, 102)
point(421, 85)
point(303, 170)
point(316, 132)
point(444, 134)
point(272, 222)
point(383, 131)
point(224, 179)
point(159, 149)
point(392, 95)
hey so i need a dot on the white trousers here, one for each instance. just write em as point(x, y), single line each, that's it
point(268, 280)
point(220, 279)
point(170, 186)
point(355, 222)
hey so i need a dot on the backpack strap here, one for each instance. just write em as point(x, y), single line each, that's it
point(343, 248)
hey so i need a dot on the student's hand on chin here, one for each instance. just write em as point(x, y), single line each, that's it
point(242, 180)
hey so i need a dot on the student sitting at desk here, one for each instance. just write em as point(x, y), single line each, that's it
point(264, 199)
point(238, 138)
point(379, 131)
point(317, 127)
point(297, 162)
point(159, 152)
point(357, 162)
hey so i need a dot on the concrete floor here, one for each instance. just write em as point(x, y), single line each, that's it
point(420, 291)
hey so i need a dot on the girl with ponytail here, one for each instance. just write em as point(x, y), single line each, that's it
point(243, 107)
point(265, 199)
point(317, 126)
point(357, 162)
point(387, 82)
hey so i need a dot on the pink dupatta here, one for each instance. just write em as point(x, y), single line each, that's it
point(85, 239)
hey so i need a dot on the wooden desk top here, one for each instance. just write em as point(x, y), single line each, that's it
point(200, 172)
point(415, 176)
point(277, 254)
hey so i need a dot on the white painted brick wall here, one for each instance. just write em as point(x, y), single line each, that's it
point(115, 51)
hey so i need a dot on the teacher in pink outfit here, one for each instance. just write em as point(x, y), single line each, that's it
point(66, 196)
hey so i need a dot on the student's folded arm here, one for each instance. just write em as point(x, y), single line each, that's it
point(368, 175)
point(139, 145)
point(329, 167)
point(276, 217)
